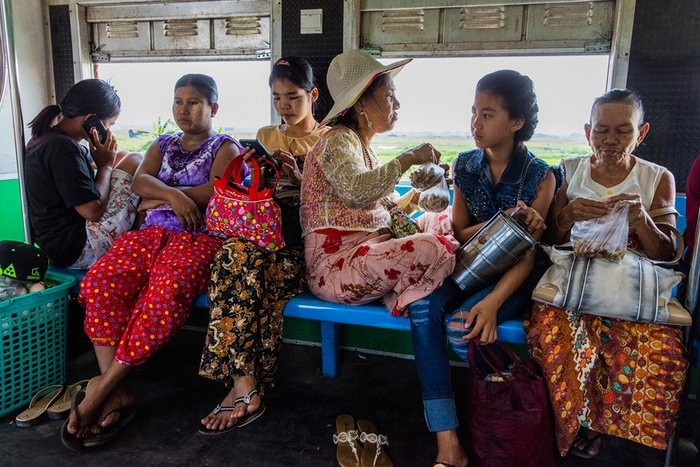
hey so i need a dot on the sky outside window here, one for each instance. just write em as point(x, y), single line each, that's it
point(436, 94)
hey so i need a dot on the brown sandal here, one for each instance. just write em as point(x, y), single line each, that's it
point(38, 406)
point(346, 438)
point(61, 408)
point(372, 454)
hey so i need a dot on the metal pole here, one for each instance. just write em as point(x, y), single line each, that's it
point(9, 61)
point(3, 56)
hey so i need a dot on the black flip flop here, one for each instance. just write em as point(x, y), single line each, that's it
point(218, 409)
point(68, 439)
point(242, 421)
point(109, 433)
point(248, 418)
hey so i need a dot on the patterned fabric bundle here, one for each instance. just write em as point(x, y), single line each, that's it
point(246, 212)
point(401, 223)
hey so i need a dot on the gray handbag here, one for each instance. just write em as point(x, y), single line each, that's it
point(633, 289)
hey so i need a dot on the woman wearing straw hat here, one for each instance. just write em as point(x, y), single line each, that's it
point(351, 254)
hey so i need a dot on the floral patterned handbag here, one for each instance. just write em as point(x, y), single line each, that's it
point(250, 213)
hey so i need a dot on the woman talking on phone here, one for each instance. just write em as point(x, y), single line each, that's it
point(75, 213)
point(250, 286)
point(139, 294)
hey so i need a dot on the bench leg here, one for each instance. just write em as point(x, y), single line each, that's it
point(329, 349)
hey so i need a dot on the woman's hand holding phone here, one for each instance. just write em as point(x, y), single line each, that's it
point(104, 154)
point(289, 166)
point(103, 145)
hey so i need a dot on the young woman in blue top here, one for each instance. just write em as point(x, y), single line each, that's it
point(501, 174)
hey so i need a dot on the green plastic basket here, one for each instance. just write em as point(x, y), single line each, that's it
point(33, 342)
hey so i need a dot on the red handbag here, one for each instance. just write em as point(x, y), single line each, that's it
point(510, 420)
point(250, 213)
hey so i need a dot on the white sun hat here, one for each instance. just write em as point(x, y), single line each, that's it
point(350, 73)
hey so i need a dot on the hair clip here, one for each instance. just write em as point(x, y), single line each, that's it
point(282, 61)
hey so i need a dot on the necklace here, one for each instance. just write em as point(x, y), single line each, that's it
point(294, 139)
point(365, 151)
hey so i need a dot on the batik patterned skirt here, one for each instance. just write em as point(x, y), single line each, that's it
point(248, 290)
point(615, 377)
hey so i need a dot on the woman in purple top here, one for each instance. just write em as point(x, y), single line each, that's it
point(141, 291)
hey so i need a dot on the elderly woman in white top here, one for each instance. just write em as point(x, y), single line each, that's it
point(606, 376)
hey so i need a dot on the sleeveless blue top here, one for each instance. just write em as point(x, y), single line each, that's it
point(520, 180)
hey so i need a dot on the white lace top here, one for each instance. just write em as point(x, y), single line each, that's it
point(644, 179)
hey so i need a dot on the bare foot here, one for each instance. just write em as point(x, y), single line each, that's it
point(450, 450)
point(587, 443)
point(119, 400)
point(226, 419)
point(81, 423)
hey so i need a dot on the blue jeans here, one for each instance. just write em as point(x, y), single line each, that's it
point(428, 320)
point(454, 322)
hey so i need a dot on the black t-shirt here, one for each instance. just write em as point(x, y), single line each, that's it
point(58, 177)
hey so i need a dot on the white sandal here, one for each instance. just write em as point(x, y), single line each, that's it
point(372, 453)
point(345, 436)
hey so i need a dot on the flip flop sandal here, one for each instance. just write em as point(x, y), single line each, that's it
point(68, 439)
point(241, 422)
point(109, 433)
point(346, 437)
point(218, 409)
point(372, 453)
point(584, 451)
point(61, 409)
point(38, 405)
point(248, 418)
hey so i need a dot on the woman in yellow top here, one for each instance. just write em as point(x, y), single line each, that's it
point(250, 286)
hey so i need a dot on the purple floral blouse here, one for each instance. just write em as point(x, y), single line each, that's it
point(183, 168)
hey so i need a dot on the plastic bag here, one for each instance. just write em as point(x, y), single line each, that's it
point(10, 287)
point(603, 237)
point(436, 198)
point(426, 176)
point(408, 203)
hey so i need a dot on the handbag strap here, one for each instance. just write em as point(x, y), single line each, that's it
point(523, 173)
point(492, 359)
point(254, 192)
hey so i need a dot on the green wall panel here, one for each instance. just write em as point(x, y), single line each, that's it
point(10, 211)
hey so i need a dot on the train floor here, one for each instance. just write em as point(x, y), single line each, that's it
point(297, 428)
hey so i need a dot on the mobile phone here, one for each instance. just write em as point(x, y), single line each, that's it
point(95, 122)
point(260, 150)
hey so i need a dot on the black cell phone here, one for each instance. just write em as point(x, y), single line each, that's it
point(95, 122)
point(260, 150)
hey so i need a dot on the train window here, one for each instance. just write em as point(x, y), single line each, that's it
point(146, 91)
point(436, 95)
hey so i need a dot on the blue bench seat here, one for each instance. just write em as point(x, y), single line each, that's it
point(331, 315)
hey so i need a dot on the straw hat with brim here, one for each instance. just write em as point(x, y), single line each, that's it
point(349, 75)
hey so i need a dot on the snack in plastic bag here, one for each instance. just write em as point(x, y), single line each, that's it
point(436, 198)
point(603, 237)
point(426, 176)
